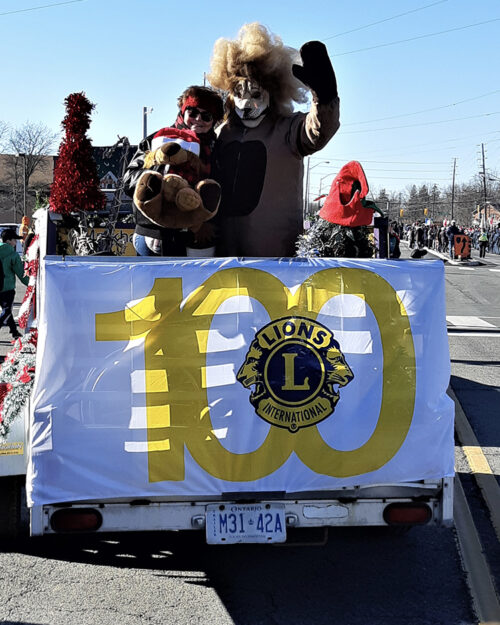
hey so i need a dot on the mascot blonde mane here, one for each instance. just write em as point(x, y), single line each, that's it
point(262, 57)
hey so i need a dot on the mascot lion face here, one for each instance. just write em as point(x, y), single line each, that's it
point(251, 101)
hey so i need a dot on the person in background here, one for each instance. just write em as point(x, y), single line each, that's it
point(450, 233)
point(419, 235)
point(483, 243)
point(411, 237)
point(394, 249)
point(12, 266)
point(200, 108)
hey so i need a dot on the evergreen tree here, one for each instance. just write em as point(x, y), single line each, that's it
point(424, 201)
point(412, 204)
point(76, 184)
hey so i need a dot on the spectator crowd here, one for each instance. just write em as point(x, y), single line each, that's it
point(440, 237)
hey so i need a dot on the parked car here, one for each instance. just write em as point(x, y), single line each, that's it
point(19, 243)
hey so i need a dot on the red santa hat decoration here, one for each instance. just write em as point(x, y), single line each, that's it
point(187, 139)
point(345, 204)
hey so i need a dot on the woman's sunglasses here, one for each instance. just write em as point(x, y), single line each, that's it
point(194, 112)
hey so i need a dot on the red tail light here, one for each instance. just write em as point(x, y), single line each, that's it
point(76, 520)
point(407, 514)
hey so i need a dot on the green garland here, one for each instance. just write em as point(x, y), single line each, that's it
point(328, 240)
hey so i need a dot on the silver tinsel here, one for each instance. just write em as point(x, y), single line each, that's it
point(328, 240)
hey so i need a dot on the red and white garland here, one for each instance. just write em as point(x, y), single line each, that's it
point(17, 375)
point(31, 265)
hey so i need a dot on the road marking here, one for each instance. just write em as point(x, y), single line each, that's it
point(461, 333)
point(494, 270)
point(469, 322)
point(467, 268)
point(477, 460)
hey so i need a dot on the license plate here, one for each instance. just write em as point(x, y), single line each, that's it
point(245, 523)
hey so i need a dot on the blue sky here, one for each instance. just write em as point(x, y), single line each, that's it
point(410, 103)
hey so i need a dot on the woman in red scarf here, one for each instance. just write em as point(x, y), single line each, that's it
point(200, 108)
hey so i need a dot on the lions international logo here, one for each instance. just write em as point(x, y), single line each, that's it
point(294, 364)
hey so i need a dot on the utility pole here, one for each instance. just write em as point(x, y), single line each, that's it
point(484, 185)
point(145, 112)
point(453, 187)
point(305, 206)
point(23, 156)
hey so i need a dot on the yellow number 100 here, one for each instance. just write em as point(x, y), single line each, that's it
point(178, 415)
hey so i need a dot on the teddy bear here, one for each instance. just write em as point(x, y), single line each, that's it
point(172, 192)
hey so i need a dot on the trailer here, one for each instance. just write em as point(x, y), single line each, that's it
point(241, 397)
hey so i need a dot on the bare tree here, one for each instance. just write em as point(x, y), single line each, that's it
point(29, 145)
point(4, 129)
point(35, 141)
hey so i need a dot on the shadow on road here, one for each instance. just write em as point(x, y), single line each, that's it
point(481, 405)
point(363, 575)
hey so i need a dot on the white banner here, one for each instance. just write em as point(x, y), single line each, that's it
point(194, 377)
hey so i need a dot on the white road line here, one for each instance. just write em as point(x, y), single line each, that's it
point(467, 268)
point(494, 269)
point(469, 322)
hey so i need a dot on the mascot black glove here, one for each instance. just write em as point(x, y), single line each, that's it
point(316, 71)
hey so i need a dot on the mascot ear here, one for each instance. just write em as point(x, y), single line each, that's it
point(316, 71)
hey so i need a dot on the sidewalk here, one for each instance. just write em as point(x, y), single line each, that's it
point(490, 259)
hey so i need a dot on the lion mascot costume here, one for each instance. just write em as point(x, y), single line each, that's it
point(261, 145)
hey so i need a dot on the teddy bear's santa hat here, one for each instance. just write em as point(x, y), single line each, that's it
point(187, 139)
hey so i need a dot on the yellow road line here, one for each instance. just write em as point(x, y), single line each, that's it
point(478, 573)
point(476, 459)
point(478, 464)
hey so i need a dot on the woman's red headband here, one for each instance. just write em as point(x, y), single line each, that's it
point(203, 103)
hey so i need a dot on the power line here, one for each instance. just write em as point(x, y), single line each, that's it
point(45, 6)
point(436, 108)
point(387, 19)
point(443, 121)
point(405, 178)
point(388, 153)
point(342, 160)
point(441, 32)
point(416, 171)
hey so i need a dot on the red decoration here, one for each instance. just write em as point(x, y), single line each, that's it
point(76, 184)
point(344, 205)
point(24, 375)
point(5, 388)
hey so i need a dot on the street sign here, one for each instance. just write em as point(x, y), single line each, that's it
point(462, 247)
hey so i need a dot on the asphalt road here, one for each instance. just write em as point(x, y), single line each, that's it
point(361, 576)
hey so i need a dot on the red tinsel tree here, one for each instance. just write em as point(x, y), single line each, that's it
point(76, 184)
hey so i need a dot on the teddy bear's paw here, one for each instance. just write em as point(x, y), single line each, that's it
point(171, 154)
point(172, 184)
point(210, 193)
point(148, 188)
point(148, 196)
point(187, 200)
